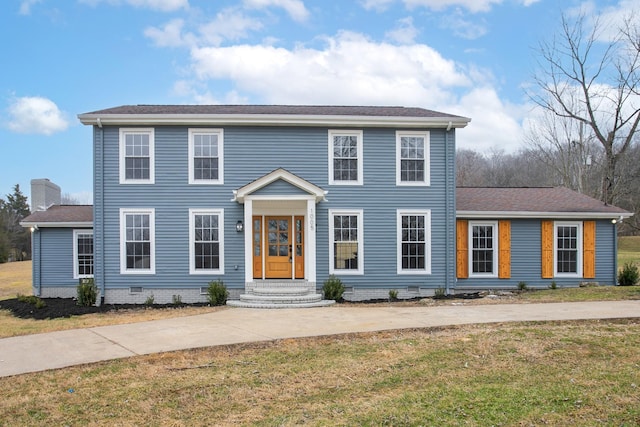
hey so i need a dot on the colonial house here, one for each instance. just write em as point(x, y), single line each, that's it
point(272, 200)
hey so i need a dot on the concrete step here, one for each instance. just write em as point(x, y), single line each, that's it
point(243, 304)
point(281, 299)
point(280, 291)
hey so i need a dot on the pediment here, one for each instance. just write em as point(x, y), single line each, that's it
point(279, 182)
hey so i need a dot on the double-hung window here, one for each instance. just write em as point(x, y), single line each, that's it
point(414, 242)
point(483, 242)
point(82, 254)
point(137, 241)
point(346, 236)
point(136, 156)
point(412, 158)
point(345, 157)
point(568, 245)
point(206, 237)
point(206, 160)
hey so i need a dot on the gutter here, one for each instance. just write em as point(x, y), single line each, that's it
point(538, 215)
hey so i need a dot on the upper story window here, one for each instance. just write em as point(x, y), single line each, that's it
point(568, 248)
point(483, 243)
point(137, 241)
point(136, 156)
point(206, 158)
point(82, 253)
point(347, 242)
point(414, 242)
point(345, 157)
point(412, 158)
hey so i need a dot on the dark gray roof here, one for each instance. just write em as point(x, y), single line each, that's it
point(313, 110)
point(61, 214)
point(530, 199)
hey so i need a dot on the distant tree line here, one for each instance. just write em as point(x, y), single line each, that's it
point(15, 241)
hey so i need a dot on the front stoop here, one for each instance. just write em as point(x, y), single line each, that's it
point(280, 296)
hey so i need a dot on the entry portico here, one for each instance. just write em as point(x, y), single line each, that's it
point(280, 231)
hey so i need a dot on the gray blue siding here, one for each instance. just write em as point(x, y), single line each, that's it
point(250, 153)
point(526, 259)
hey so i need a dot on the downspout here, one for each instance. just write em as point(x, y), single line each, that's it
point(615, 254)
point(447, 260)
point(101, 192)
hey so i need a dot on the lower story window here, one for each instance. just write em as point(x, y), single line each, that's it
point(346, 237)
point(206, 237)
point(483, 244)
point(567, 237)
point(137, 230)
point(414, 246)
point(83, 253)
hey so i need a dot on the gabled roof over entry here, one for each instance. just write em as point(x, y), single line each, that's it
point(279, 174)
point(530, 202)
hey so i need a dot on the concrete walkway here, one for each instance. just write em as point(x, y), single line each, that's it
point(31, 353)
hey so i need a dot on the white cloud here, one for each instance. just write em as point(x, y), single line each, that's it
point(229, 24)
point(25, 6)
point(350, 69)
point(494, 123)
point(473, 6)
point(161, 5)
point(462, 27)
point(295, 8)
point(378, 5)
point(36, 115)
point(404, 33)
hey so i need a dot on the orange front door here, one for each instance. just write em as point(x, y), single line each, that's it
point(278, 248)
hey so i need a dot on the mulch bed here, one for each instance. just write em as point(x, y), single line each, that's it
point(67, 307)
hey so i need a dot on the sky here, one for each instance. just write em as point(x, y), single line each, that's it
point(61, 58)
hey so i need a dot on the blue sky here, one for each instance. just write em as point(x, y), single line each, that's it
point(63, 58)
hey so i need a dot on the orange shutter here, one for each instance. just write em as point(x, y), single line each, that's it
point(589, 250)
point(547, 249)
point(504, 247)
point(462, 250)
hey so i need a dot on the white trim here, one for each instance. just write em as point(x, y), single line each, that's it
point(360, 215)
point(360, 159)
point(152, 240)
point(427, 158)
point(495, 249)
point(427, 224)
point(202, 131)
point(579, 248)
point(272, 120)
point(122, 148)
point(538, 215)
point(76, 233)
point(57, 224)
point(192, 266)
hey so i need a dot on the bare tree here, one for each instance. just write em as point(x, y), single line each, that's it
point(595, 84)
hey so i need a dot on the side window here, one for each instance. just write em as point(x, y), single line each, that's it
point(206, 160)
point(137, 156)
point(412, 158)
point(414, 242)
point(345, 157)
point(206, 238)
point(82, 253)
point(137, 241)
point(483, 244)
point(346, 250)
point(568, 248)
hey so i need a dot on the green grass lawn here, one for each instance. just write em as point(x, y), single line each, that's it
point(628, 250)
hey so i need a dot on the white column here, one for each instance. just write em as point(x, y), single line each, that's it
point(310, 241)
point(248, 242)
